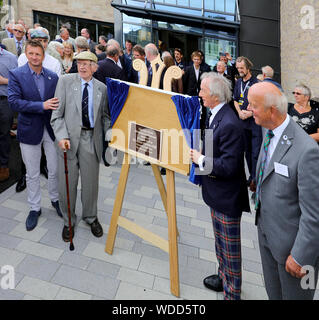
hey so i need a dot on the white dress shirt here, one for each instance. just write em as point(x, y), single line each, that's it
point(275, 139)
point(213, 111)
point(49, 62)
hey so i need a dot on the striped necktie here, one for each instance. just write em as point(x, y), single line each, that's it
point(19, 49)
point(262, 169)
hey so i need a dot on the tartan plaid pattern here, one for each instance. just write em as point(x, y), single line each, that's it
point(228, 253)
point(269, 136)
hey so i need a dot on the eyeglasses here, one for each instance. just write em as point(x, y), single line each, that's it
point(297, 93)
point(16, 30)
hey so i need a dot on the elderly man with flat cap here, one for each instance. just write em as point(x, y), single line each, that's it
point(79, 124)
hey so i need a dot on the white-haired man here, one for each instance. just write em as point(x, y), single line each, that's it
point(15, 44)
point(223, 183)
point(268, 74)
point(287, 202)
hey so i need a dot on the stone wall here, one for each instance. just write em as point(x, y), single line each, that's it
point(99, 10)
point(300, 45)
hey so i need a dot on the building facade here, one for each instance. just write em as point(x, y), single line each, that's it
point(97, 15)
point(281, 33)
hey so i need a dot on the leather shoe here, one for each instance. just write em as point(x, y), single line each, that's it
point(214, 283)
point(32, 220)
point(21, 184)
point(96, 228)
point(44, 170)
point(66, 233)
point(57, 208)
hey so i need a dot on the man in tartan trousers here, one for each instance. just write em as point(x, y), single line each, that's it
point(223, 182)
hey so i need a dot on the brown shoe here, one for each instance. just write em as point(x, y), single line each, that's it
point(4, 174)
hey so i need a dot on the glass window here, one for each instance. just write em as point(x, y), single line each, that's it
point(106, 30)
point(54, 22)
point(170, 2)
point(182, 3)
point(220, 16)
point(135, 3)
point(220, 5)
point(214, 47)
point(230, 6)
point(209, 5)
point(179, 10)
point(137, 34)
point(131, 19)
point(70, 23)
point(49, 22)
point(90, 26)
point(196, 4)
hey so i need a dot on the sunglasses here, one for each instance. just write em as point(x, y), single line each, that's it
point(20, 31)
point(297, 93)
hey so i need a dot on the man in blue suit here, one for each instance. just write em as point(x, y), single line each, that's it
point(223, 182)
point(31, 91)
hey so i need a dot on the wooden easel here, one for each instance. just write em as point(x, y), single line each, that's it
point(155, 109)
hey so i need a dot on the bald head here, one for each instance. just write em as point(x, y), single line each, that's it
point(268, 104)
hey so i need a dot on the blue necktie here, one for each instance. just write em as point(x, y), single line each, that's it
point(85, 107)
point(262, 169)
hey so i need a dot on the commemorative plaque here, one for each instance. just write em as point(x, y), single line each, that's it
point(145, 141)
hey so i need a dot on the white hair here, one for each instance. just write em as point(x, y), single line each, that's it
point(279, 101)
point(268, 71)
point(219, 86)
point(166, 54)
point(151, 49)
point(19, 25)
point(304, 89)
point(81, 43)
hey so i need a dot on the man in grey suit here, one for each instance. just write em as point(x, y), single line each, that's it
point(287, 201)
point(15, 44)
point(79, 125)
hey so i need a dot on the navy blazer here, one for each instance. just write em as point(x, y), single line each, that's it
point(224, 189)
point(24, 97)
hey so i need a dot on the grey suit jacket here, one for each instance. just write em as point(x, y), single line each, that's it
point(11, 45)
point(289, 215)
point(3, 35)
point(66, 121)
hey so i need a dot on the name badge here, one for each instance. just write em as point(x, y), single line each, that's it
point(281, 169)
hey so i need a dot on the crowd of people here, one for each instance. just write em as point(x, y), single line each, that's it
point(49, 86)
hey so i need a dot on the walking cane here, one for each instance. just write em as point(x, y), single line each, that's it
point(68, 196)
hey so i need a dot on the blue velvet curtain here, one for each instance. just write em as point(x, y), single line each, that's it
point(117, 94)
point(188, 110)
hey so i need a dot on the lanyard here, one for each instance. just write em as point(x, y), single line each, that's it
point(242, 91)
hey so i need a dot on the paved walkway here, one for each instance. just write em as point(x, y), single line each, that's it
point(46, 269)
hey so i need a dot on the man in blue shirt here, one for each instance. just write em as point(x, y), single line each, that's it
point(31, 93)
point(8, 61)
point(268, 74)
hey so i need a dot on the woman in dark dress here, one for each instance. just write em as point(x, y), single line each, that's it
point(302, 113)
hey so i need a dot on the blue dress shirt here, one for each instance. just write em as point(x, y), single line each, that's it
point(90, 102)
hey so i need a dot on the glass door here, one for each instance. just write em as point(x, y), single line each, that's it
point(213, 48)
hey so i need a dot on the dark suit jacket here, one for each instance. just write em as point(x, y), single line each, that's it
point(190, 84)
point(24, 97)
point(92, 45)
point(109, 69)
point(224, 189)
